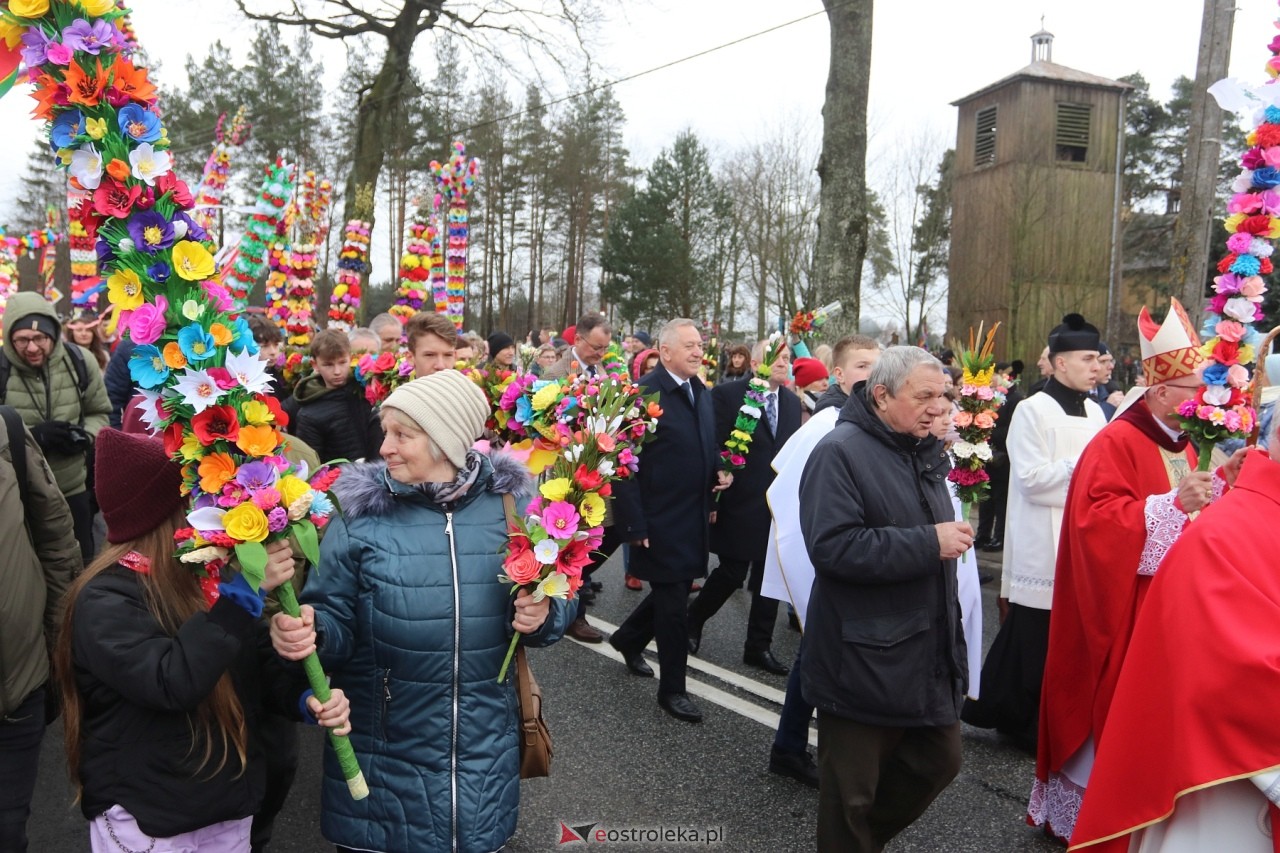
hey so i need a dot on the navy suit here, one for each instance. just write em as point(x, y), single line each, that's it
point(668, 502)
point(740, 535)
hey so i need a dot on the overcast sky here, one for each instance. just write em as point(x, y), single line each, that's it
point(926, 54)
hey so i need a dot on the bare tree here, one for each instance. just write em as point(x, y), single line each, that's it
point(913, 288)
point(842, 223)
point(553, 30)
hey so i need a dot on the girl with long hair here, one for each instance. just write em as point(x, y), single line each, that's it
point(163, 684)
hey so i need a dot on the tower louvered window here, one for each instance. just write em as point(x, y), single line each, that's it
point(984, 148)
point(1072, 137)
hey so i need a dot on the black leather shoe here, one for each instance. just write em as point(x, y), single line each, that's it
point(596, 586)
point(800, 767)
point(680, 706)
point(635, 661)
point(695, 636)
point(994, 545)
point(766, 661)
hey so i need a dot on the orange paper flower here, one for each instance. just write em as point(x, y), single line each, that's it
point(173, 356)
point(221, 334)
point(118, 169)
point(216, 470)
point(132, 82)
point(86, 86)
point(258, 441)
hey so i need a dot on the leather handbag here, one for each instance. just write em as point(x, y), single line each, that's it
point(535, 738)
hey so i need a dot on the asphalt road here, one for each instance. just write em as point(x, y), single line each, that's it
point(621, 763)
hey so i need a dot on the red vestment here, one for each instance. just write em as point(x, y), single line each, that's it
point(1097, 589)
point(1196, 700)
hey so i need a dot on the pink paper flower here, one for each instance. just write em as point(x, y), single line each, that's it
point(146, 322)
point(561, 520)
point(1229, 330)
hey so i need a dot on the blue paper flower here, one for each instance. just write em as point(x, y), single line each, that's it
point(1271, 115)
point(197, 344)
point(320, 504)
point(524, 409)
point(159, 272)
point(1246, 265)
point(65, 129)
point(1266, 177)
point(147, 367)
point(1215, 374)
point(139, 124)
point(242, 336)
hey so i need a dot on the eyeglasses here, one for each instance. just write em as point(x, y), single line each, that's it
point(27, 342)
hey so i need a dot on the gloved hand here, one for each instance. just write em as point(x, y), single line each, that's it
point(54, 437)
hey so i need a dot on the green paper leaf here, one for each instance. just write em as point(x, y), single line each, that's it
point(253, 562)
point(308, 540)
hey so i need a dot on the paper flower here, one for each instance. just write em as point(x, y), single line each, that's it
point(149, 164)
point(198, 390)
point(192, 261)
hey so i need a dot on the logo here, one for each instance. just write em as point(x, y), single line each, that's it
point(575, 834)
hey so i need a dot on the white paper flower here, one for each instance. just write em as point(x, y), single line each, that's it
point(206, 554)
point(149, 164)
point(1239, 308)
point(546, 551)
point(86, 166)
point(963, 449)
point(555, 585)
point(198, 389)
point(983, 451)
point(606, 468)
point(1217, 395)
point(250, 371)
point(207, 518)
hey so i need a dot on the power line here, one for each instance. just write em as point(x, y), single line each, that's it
point(300, 124)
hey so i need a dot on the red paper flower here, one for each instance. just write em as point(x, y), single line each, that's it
point(114, 199)
point(588, 481)
point(214, 423)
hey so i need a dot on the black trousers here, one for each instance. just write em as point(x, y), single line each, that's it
point(991, 512)
point(81, 507)
point(610, 542)
point(20, 734)
point(662, 616)
point(281, 756)
point(724, 579)
point(874, 781)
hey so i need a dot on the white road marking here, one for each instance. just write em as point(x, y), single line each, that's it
point(715, 695)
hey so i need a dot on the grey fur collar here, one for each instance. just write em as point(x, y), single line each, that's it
point(362, 488)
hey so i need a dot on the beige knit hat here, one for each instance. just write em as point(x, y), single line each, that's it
point(449, 407)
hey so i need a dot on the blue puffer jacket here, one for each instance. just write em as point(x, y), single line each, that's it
point(416, 639)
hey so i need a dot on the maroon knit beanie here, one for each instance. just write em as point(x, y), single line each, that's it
point(138, 486)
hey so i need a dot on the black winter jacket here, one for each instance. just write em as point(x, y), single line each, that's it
point(832, 397)
point(883, 643)
point(337, 423)
point(141, 687)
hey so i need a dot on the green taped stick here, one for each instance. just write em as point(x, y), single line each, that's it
point(320, 686)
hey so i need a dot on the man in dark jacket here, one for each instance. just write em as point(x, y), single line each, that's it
point(41, 557)
point(663, 512)
point(57, 387)
point(740, 532)
point(884, 654)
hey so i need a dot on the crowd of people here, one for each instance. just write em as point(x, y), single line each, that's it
point(842, 511)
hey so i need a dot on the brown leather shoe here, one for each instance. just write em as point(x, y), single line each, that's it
point(582, 631)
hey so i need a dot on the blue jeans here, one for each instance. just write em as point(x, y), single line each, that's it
point(793, 723)
point(20, 735)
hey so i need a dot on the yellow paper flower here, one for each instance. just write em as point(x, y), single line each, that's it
point(256, 413)
point(557, 489)
point(554, 585)
point(1232, 222)
point(192, 310)
point(96, 127)
point(97, 8)
point(291, 488)
point(246, 522)
point(192, 261)
point(29, 8)
point(592, 509)
point(124, 290)
point(546, 396)
point(11, 33)
point(191, 448)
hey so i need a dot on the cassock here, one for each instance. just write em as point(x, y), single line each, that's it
point(1119, 523)
point(1189, 755)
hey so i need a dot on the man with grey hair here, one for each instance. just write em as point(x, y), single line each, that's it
point(388, 330)
point(884, 652)
point(593, 337)
point(663, 511)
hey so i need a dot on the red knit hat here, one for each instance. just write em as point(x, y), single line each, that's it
point(138, 486)
point(807, 371)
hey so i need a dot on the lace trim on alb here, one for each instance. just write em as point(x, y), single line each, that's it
point(1056, 805)
point(1164, 525)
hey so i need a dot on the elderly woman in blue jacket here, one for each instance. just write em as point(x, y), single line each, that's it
point(411, 621)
